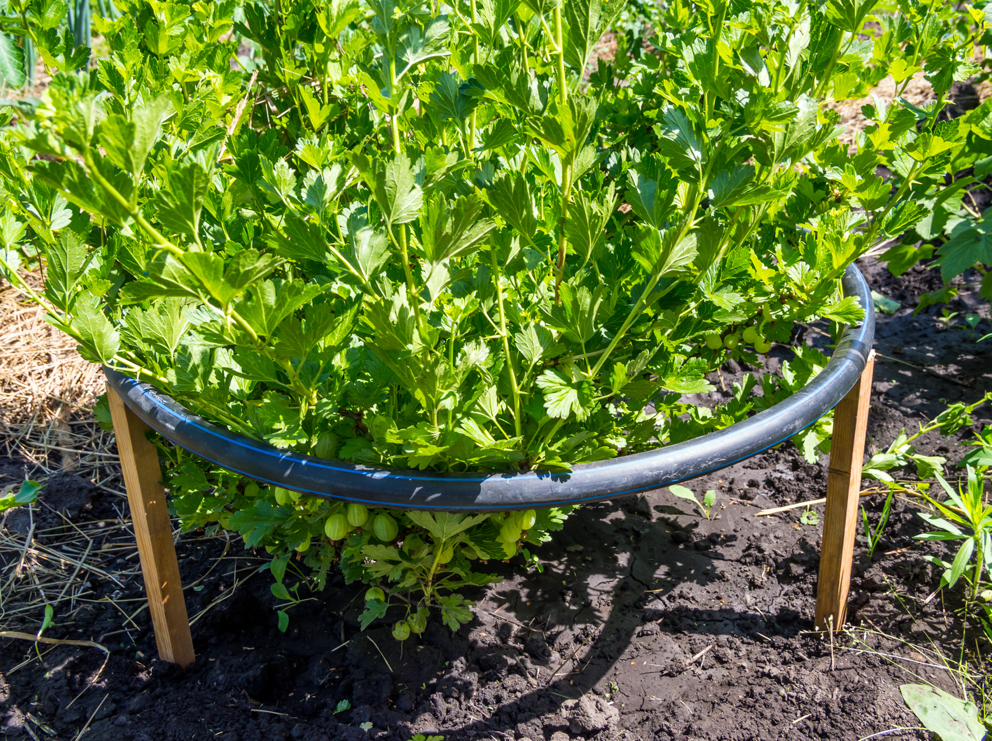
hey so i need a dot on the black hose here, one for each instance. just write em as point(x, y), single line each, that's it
point(587, 482)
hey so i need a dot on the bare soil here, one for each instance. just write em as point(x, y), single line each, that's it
point(646, 621)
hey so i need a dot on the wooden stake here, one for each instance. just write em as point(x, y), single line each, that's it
point(847, 452)
point(150, 515)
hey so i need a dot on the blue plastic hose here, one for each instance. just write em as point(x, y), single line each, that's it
point(587, 482)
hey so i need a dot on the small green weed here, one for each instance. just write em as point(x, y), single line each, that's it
point(709, 498)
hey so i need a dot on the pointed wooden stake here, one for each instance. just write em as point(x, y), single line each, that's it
point(840, 524)
point(150, 516)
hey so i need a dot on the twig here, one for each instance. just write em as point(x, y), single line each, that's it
point(571, 656)
point(53, 641)
point(380, 653)
point(700, 655)
point(521, 625)
point(87, 724)
point(830, 628)
point(810, 503)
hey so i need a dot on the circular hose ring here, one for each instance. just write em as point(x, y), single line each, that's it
point(586, 482)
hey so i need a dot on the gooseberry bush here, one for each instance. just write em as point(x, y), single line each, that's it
point(452, 237)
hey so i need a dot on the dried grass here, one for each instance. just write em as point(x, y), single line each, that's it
point(47, 393)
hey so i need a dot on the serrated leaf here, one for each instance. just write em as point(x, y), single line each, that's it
point(180, 199)
point(534, 342)
point(563, 397)
point(445, 525)
point(99, 339)
point(11, 63)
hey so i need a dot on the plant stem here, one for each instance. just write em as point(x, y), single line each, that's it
point(155, 234)
point(687, 222)
point(506, 343)
point(475, 60)
point(566, 193)
point(560, 53)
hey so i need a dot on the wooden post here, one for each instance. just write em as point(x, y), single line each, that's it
point(156, 549)
point(840, 524)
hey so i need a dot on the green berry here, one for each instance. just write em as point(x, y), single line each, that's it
point(358, 515)
point(510, 532)
point(375, 593)
point(529, 519)
point(731, 341)
point(336, 527)
point(401, 631)
point(385, 529)
point(714, 341)
point(751, 335)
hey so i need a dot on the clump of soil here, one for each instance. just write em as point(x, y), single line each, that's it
point(644, 621)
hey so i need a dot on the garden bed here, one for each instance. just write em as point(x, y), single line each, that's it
point(647, 621)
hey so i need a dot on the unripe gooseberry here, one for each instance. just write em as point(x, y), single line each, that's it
point(336, 527)
point(386, 529)
point(714, 341)
point(751, 335)
point(731, 341)
point(358, 515)
point(304, 546)
point(510, 532)
point(529, 519)
point(282, 495)
point(401, 631)
point(375, 593)
point(763, 345)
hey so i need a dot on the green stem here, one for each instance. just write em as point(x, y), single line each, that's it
point(155, 234)
point(511, 365)
point(830, 68)
point(560, 53)
point(566, 194)
point(687, 223)
point(475, 61)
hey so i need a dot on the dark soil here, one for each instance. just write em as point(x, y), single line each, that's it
point(646, 621)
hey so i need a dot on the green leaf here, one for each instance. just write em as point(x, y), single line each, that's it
point(454, 611)
point(564, 398)
point(534, 342)
point(586, 21)
point(951, 718)
point(11, 63)
point(683, 493)
point(449, 234)
point(845, 311)
point(884, 304)
point(587, 218)
point(512, 199)
point(445, 525)
point(374, 608)
point(283, 619)
point(67, 258)
point(369, 248)
point(418, 46)
point(679, 142)
point(967, 245)
point(658, 255)
point(27, 494)
point(651, 195)
point(961, 561)
point(99, 340)
point(396, 187)
point(180, 200)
